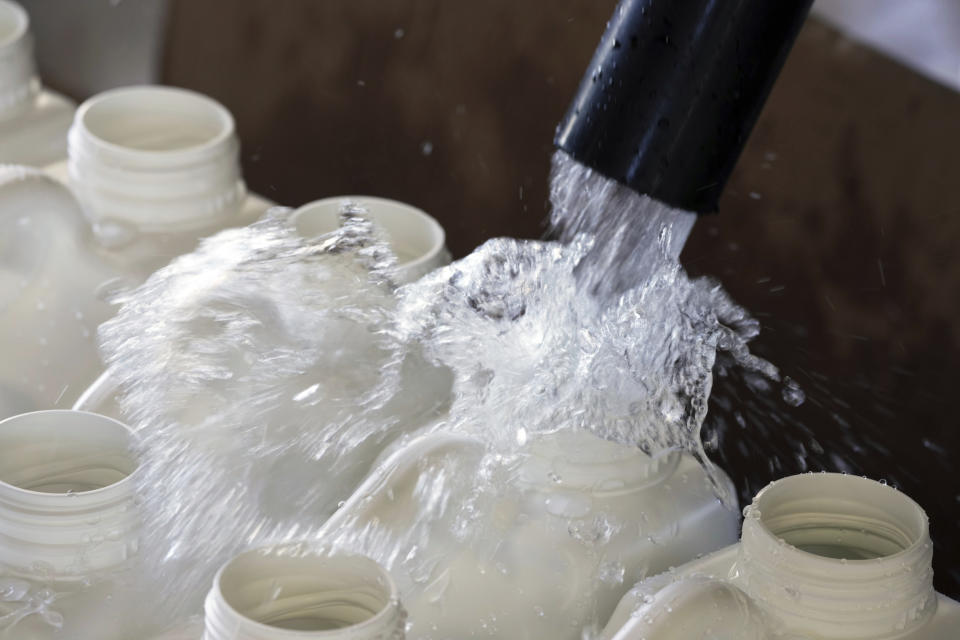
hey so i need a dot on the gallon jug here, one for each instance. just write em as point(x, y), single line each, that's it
point(151, 170)
point(289, 593)
point(821, 556)
point(68, 526)
point(549, 554)
point(33, 120)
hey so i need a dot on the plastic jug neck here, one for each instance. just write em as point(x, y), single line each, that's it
point(288, 593)
point(838, 556)
point(18, 75)
point(66, 497)
point(160, 159)
point(415, 237)
point(581, 461)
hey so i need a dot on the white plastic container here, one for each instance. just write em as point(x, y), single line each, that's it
point(289, 593)
point(821, 556)
point(33, 121)
point(416, 238)
point(587, 518)
point(152, 170)
point(68, 525)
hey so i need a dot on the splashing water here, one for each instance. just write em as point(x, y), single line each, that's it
point(634, 235)
point(266, 372)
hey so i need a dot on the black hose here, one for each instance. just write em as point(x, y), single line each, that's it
point(673, 91)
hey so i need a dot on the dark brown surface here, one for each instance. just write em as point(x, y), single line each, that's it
point(848, 258)
point(329, 101)
point(845, 250)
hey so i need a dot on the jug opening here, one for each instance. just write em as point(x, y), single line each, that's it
point(869, 545)
point(414, 236)
point(838, 556)
point(289, 590)
point(156, 119)
point(66, 494)
point(64, 452)
point(841, 517)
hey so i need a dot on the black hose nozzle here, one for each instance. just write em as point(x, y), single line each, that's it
point(673, 91)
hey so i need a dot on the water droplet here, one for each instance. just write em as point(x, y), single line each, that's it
point(792, 393)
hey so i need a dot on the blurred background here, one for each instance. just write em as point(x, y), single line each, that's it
point(838, 228)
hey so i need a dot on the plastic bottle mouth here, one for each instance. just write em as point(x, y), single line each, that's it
point(158, 157)
point(18, 76)
point(287, 593)
point(415, 237)
point(848, 555)
point(66, 493)
point(141, 121)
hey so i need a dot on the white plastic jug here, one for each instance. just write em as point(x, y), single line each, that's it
point(33, 120)
point(290, 593)
point(588, 516)
point(821, 556)
point(68, 526)
point(151, 171)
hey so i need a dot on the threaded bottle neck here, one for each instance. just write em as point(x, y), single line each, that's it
point(838, 556)
point(288, 593)
point(160, 159)
point(66, 496)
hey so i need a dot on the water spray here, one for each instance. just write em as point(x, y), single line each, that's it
point(664, 110)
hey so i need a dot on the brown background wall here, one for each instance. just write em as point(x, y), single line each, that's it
point(845, 250)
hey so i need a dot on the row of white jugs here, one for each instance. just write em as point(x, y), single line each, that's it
point(821, 555)
point(148, 171)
